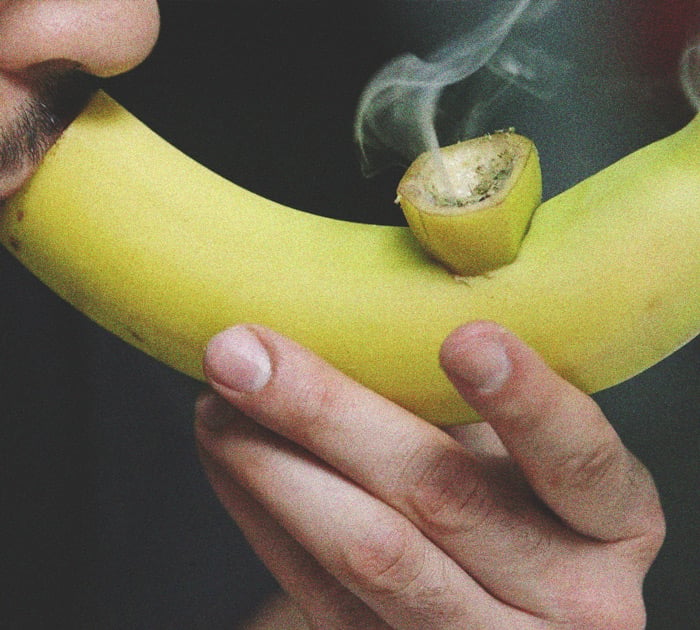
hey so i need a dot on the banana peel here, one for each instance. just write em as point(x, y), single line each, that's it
point(165, 253)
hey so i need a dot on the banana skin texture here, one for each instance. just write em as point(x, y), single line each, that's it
point(164, 253)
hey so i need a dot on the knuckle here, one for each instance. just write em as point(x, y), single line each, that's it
point(650, 514)
point(386, 558)
point(644, 548)
point(317, 402)
point(391, 562)
point(446, 493)
point(590, 469)
point(533, 543)
point(650, 511)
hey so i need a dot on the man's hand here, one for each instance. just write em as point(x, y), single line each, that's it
point(370, 517)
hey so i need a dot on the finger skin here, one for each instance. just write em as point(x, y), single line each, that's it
point(326, 603)
point(373, 551)
point(567, 449)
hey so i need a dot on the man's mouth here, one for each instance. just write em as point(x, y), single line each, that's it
point(36, 124)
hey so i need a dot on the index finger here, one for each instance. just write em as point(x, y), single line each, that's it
point(570, 453)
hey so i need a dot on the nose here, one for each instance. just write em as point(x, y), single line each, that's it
point(100, 37)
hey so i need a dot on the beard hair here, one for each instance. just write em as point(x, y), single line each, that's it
point(37, 123)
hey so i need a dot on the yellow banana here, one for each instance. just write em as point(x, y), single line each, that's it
point(165, 254)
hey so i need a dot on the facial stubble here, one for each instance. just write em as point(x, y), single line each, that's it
point(37, 123)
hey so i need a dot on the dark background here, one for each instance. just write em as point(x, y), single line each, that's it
point(109, 520)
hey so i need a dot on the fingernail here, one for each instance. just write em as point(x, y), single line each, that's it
point(236, 359)
point(482, 363)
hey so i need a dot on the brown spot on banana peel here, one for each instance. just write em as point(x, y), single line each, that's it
point(138, 338)
point(471, 210)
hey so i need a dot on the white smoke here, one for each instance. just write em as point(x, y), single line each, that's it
point(690, 73)
point(396, 115)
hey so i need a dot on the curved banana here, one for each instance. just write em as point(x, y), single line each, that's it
point(165, 254)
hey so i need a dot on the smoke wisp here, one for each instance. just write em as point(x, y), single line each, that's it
point(397, 114)
point(690, 73)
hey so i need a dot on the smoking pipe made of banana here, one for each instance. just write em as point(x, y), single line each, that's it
point(602, 279)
